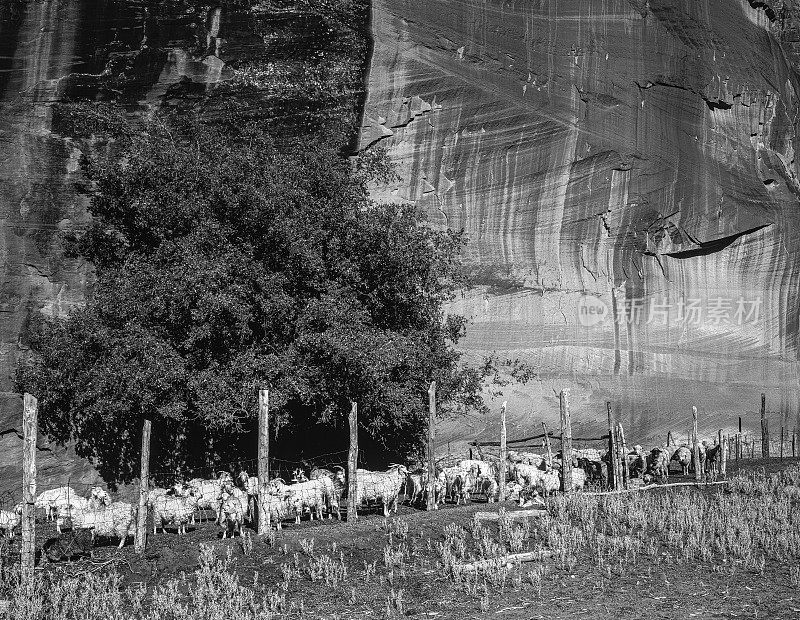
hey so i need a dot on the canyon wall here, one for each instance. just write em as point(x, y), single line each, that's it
point(626, 173)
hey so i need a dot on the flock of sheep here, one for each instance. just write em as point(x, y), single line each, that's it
point(235, 503)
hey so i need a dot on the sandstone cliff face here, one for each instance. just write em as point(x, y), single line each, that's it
point(626, 173)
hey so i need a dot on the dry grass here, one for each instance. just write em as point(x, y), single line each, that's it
point(400, 566)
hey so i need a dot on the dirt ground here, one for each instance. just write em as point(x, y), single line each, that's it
point(667, 588)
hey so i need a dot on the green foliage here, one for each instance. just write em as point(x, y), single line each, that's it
point(225, 264)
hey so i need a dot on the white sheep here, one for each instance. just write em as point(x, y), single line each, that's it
point(207, 493)
point(309, 495)
point(117, 520)
point(62, 497)
point(479, 468)
point(525, 474)
point(173, 510)
point(99, 497)
point(227, 491)
point(232, 514)
point(250, 486)
point(414, 489)
point(277, 508)
point(9, 520)
point(380, 487)
point(683, 456)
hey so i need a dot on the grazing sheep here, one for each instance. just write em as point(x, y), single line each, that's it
point(487, 485)
point(207, 493)
point(336, 490)
point(10, 520)
point(479, 468)
point(250, 486)
point(117, 520)
point(454, 479)
point(657, 467)
point(383, 487)
point(637, 462)
point(526, 475)
point(713, 455)
point(232, 512)
point(546, 483)
point(309, 495)
point(278, 509)
point(99, 497)
point(414, 489)
point(228, 490)
point(62, 497)
point(173, 510)
point(683, 456)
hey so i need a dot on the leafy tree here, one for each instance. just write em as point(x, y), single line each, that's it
point(223, 264)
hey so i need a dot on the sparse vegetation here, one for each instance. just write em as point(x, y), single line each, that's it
point(744, 534)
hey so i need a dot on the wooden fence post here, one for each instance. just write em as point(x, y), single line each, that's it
point(670, 439)
point(698, 468)
point(612, 467)
point(740, 425)
point(780, 451)
point(140, 541)
point(352, 465)
point(626, 474)
point(263, 460)
point(503, 452)
point(30, 430)
point(431, 485)
point(723, 446)
point(566, 443)
point(764, 428)
point(794, 442)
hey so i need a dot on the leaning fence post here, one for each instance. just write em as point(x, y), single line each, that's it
point(698, 474)
point(29, 435)
point(431, 486)
point(263, 460)
point(503, 452)
point(144, 482)
point(352, 465)
point(566, 442)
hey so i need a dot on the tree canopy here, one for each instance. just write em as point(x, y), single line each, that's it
point(224, 264)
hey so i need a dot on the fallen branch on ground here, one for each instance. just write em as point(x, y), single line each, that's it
point(508, 560)
point(515, 514)
point(656, 486)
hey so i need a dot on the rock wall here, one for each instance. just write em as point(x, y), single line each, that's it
point(626, 173)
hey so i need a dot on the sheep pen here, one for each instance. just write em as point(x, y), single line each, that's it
point(639, 553)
